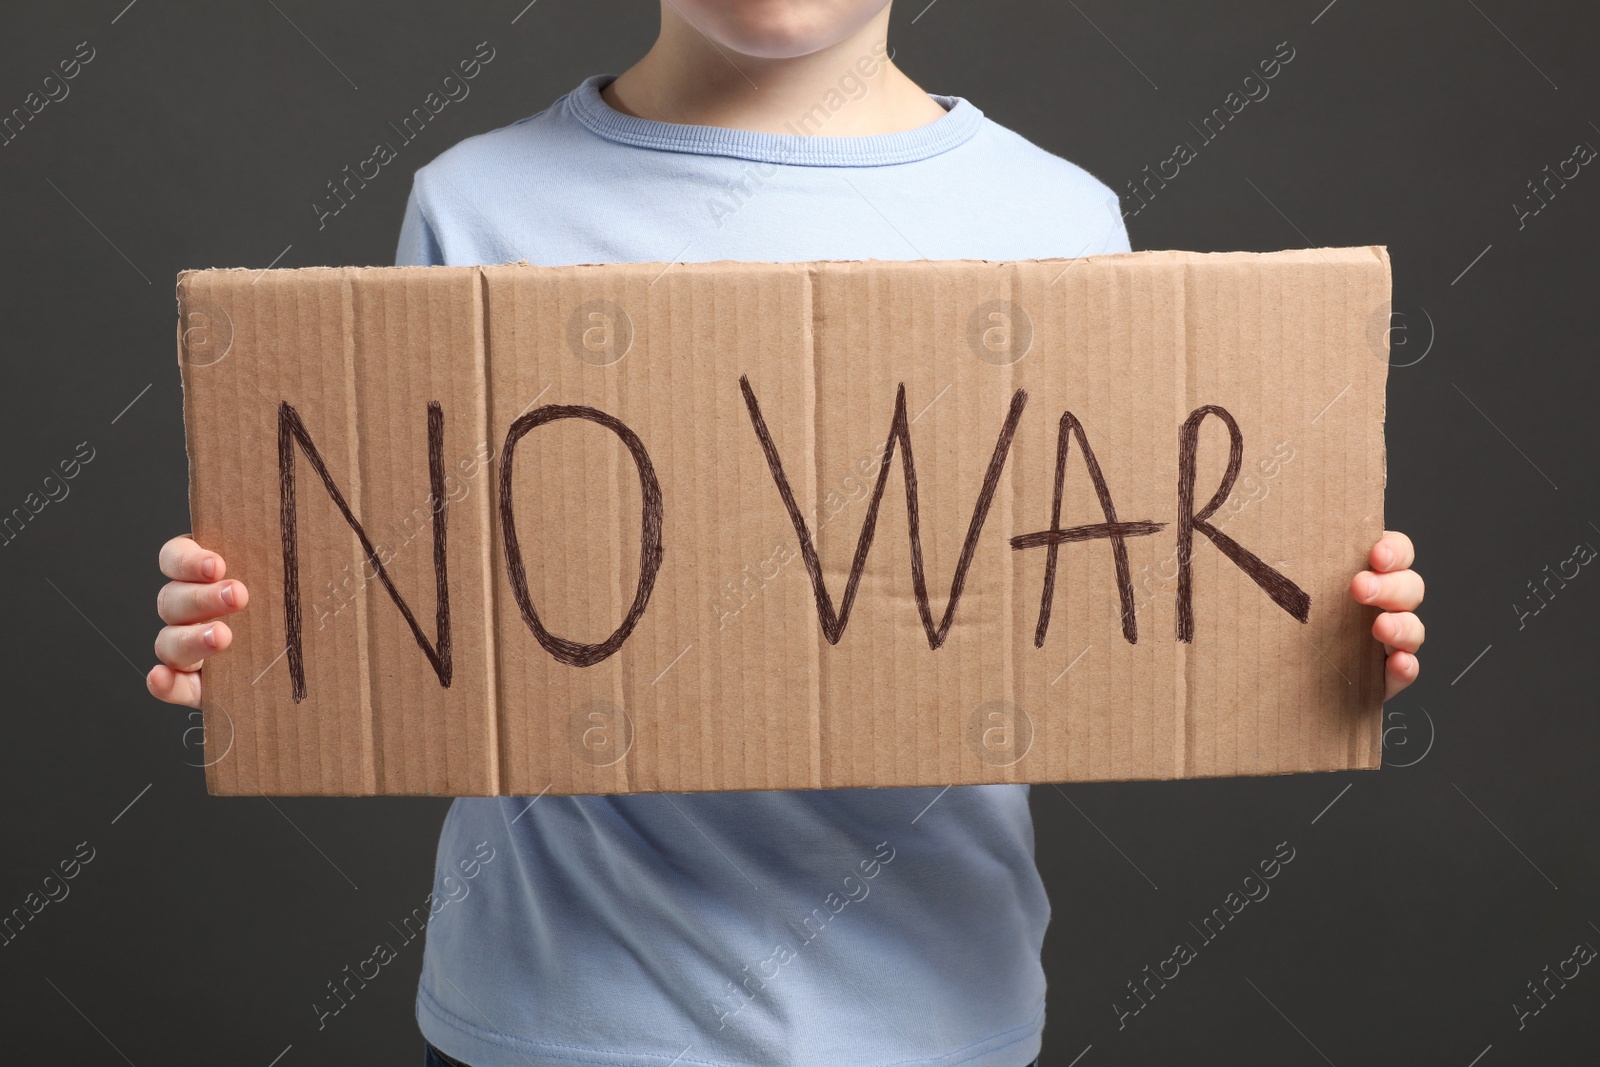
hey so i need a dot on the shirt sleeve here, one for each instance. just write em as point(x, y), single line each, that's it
point(418, 245)
point(1117, 239)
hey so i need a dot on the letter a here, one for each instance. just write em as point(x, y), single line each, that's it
point(1055, 537)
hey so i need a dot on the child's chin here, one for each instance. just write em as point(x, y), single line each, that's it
point(779, 29)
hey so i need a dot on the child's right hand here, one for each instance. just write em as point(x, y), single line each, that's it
point(191, 605)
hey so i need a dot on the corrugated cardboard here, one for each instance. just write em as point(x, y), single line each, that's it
point(680, 545)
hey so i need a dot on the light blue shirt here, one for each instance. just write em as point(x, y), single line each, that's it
point(829, 928)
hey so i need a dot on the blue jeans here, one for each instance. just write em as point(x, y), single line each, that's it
point(432, 1057)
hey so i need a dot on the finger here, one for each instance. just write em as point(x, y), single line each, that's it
point(1393, 552)
point(184, 561)
point(1400, 630)
point(174, 687)
point(1400, 591)
point(184, 648)
point(1400, 671)
point(184, 602)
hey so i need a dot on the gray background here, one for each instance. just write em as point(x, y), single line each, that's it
point(1421, 898)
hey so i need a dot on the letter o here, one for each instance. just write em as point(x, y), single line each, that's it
point(578, 653)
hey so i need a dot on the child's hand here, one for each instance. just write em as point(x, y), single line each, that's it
point(198, 596)
point(1393, 586)
point(190, 604)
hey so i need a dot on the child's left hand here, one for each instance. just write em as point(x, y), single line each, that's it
point(1393, 586)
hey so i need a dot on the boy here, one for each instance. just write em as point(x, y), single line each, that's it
point(658, 929)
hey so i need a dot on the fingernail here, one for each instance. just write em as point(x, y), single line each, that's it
point(1386, 556)
point(210, 637)
point(227, 594)
point(208, 567)
point(1369, 588)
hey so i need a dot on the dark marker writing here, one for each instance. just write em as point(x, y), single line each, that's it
point(1055, 537)
point(577, 653)
point(1284, 593)
point(833, 624)
point(292, 431)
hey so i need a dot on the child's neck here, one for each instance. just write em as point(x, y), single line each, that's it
point(685, 78)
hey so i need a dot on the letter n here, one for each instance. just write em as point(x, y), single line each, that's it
point(292, 432)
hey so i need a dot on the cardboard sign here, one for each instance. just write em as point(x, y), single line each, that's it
point(624, 528)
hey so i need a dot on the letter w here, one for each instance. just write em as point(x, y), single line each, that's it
point(834, 622)
point(292, 431)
